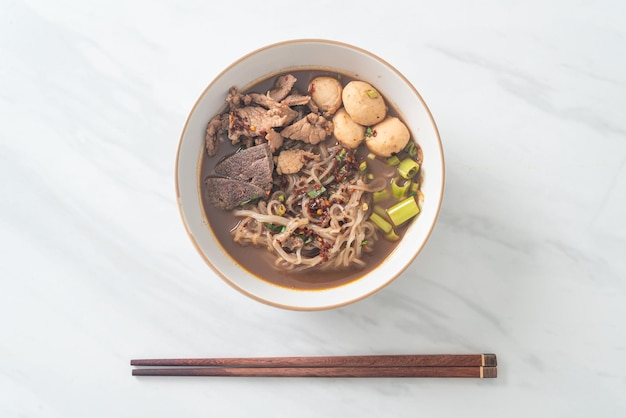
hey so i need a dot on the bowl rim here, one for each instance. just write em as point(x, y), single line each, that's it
point(383, 284)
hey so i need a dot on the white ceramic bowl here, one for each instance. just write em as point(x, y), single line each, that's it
point(270, 61)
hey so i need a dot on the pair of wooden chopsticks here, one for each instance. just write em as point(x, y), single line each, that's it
point(404, 365)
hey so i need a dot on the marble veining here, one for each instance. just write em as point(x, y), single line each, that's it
point(527, 259)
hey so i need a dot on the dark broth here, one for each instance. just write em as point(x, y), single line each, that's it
point(259, 261)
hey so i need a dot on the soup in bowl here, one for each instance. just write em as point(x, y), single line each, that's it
point(309, 174)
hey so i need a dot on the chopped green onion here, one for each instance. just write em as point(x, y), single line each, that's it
point(382, 224)
point(380, 195)
point(274, 228)
point(403, 211)
point(393, 161)
point(342, 154)
point(400, 187)
point(371, 93)
point(364, 243)
point(380, 211)
point(411, 149)
point(281, 197)
point(408, 168)
point(368, 134)
point(303, 236)
point(252, 199)
point(316, 193)
point(371, 155)
point(280, 210)
point(370, 176)
point(363, 166)
point(414, 188)
point(392, 236)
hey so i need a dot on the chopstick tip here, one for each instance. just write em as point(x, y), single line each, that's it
point(490, 360)
point(489, 372)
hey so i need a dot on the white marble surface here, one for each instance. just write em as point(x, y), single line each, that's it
point(527, 260)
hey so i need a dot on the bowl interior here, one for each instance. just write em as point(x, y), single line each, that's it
point(280, 58)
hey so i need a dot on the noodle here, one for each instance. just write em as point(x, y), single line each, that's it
point(324, 208)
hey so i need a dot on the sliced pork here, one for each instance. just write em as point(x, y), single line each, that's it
point(282, 87)
point(311, 129)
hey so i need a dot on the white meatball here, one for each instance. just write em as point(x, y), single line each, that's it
point(326, 93)
point(388, 137)
point(363, 103)
point(348, 132)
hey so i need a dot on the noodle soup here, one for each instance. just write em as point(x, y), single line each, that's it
point(339, 196)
